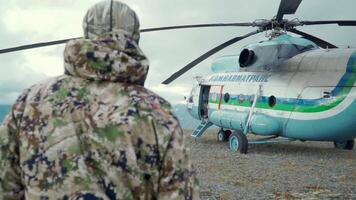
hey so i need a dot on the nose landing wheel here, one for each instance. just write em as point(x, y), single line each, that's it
point(238, 142)
point(223, 135)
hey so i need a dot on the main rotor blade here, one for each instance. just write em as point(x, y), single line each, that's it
point(56, 42)
point(207, 55)
point(321, 43)
point(36, 45)
point(338, 22)
point(287, 7)
point(195, 26)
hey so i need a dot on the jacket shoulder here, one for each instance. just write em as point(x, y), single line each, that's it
point(152, 104)
point(32, 94)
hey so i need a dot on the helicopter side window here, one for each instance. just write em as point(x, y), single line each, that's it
point(252, 97)
point(272, 101)
point(226, 97)
point(241, 98)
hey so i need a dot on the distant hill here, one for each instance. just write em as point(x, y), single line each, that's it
point(180, 110)
point(4, 110)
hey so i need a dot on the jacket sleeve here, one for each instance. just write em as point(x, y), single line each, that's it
point(177, 178)
point(10, 175)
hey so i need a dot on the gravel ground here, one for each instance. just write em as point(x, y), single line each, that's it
point(297, 170)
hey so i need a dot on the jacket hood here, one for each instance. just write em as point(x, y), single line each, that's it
point(111, 16)
point(113, 57)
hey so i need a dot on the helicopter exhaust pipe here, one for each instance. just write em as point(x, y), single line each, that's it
point(247, 57)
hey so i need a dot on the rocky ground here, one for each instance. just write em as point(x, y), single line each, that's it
point(297, 170)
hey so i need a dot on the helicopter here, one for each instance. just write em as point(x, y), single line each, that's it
point(297, 88)
point(290, 87)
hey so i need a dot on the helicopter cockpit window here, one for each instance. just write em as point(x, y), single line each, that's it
point(226, 97)
point(272, 101)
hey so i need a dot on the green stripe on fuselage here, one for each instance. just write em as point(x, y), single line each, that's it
point(299, 107)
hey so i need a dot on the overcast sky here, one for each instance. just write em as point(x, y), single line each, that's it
point(30, 21)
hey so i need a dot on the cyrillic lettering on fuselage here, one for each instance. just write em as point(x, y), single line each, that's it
point(241, 78)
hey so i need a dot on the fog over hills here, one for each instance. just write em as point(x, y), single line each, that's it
point(180, 110)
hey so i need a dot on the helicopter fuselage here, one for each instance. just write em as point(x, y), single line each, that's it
point(310, 96)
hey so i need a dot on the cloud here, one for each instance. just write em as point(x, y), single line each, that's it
point(23, 22)
point(15, 77)
point(174, 93)
point(45, 60)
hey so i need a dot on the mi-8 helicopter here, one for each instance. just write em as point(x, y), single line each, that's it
point(297, 88)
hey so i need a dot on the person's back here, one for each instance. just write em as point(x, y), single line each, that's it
point(96, 132)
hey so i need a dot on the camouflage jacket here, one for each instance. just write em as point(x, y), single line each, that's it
point(95, 133)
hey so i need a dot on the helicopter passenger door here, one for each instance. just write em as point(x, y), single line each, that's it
point(204, 101)
point(210, 99)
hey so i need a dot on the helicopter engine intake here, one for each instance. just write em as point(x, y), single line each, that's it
point(247, 57)
point(269, 55)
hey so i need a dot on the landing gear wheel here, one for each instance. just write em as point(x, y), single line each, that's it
point(238, 142)
point(223, 136)
point(347, 144)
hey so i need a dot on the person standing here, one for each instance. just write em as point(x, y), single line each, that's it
point(96, 133)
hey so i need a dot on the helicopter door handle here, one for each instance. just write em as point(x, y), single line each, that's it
point(326, 94)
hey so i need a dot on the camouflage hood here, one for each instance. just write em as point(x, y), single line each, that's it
point(113, 57)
